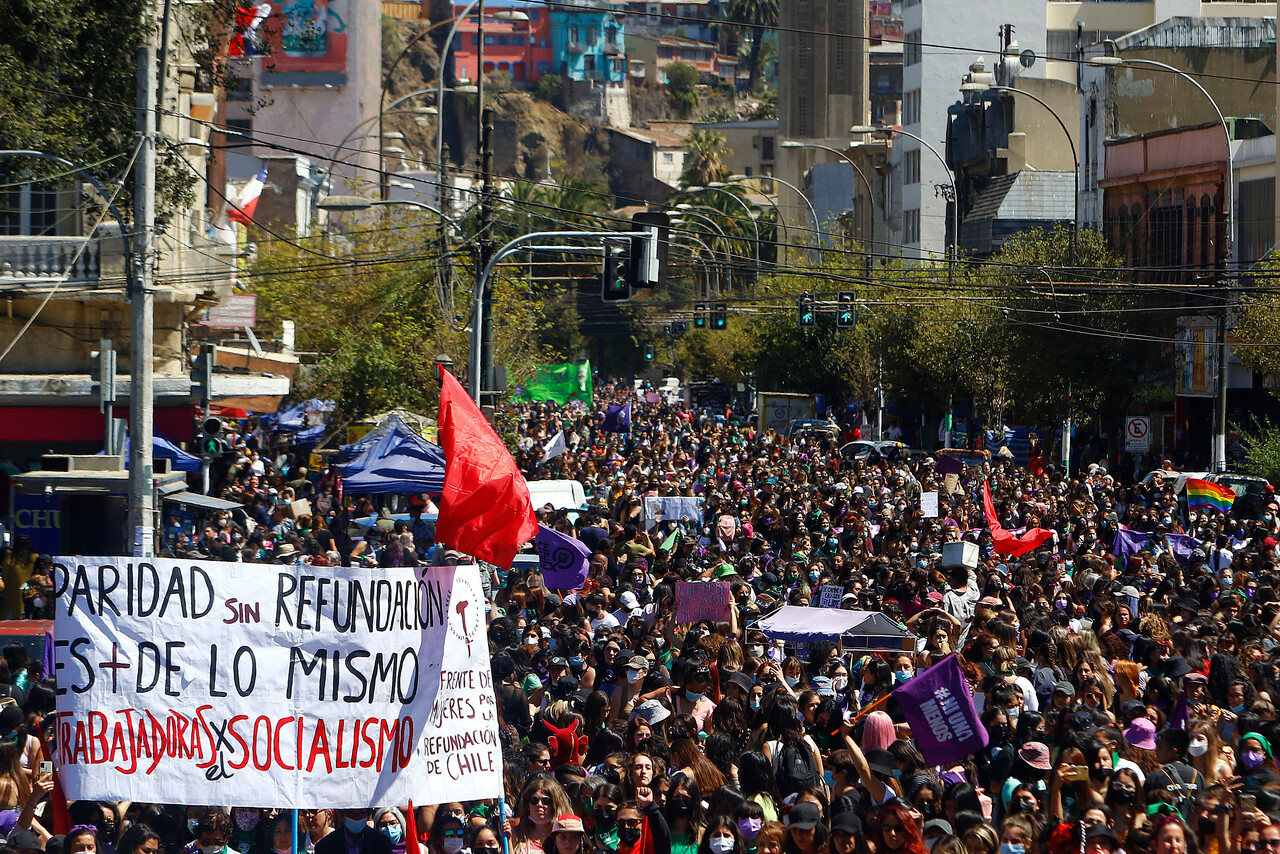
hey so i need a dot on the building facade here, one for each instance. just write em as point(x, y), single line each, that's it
point(519, 48)
point(588, 44)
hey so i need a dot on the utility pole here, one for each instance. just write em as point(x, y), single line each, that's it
point(1066, 437)
point(485, 244)
point(1219, 450)
point(142, 308)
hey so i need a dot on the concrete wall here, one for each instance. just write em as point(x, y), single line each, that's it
point(315, 111)
point(936, 79)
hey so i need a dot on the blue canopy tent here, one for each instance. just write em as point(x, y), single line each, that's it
point(162, 448)
point(397, 461)
point(868, 630)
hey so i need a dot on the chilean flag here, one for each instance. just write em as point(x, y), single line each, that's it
point(241, 210)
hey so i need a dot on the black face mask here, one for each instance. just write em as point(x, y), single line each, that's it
point(605, 817)
point(1207, 828)
point(999, 733)
point(1121, 796)
point(1099, 775)
point(680, 807)
point(1022, 806)
point(629, 835)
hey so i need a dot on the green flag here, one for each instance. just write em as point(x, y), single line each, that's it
point(561, 383)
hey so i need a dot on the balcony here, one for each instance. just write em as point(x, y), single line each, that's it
point(576, 46)
point(33, 261)
point(612, 49)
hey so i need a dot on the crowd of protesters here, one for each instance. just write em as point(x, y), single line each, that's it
point(1129, 703)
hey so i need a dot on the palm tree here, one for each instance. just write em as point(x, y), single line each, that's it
point(702, 165)
point(759, 15)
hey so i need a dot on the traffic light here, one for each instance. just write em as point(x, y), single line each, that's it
point(806, 313)
point(649, 250)
point(202, 372)
point(847, 312)
point(614, 285)
point(211, 437)
point(648, 352)
point(699, 315)
point(720, 317)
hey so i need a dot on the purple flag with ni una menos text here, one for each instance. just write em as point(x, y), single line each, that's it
point(564, 561)
point(939, 707)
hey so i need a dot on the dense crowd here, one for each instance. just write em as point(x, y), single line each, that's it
point(1129, 702)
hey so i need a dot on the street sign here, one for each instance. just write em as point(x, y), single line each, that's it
point(1137, 433)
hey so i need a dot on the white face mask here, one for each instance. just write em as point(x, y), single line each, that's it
point(452, 845)
point(720, 844)
point(635, 676)
point(1198, 747)
point(839, 683)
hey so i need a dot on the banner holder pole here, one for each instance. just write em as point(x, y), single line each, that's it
point(869, 709)
point(502, 820)
point(295, 832)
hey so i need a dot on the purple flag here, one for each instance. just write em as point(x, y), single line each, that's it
point(1181, 718)
point(617, 419)
point(948, 464)
point(562, 559)
point(939, 707)
point(1129, 542)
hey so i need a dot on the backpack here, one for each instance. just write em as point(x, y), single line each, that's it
point(795, 767)
point(1184, 800)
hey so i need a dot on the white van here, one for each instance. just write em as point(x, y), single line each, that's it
point(560, 494)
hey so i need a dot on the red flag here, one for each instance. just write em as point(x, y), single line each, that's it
point(1007, 543)
point(485, 509)
point(61, 822)
point(411, 844)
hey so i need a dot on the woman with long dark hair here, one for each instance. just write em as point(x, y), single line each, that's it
point(756, 780)
point(684, 814)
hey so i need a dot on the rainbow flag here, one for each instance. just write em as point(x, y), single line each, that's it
point(1202, 493)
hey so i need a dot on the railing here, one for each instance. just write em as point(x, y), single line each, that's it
point(35, 260)
point(577, 46)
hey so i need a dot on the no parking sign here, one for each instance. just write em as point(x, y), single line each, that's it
point(1137, 433)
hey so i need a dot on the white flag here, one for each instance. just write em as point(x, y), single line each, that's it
point(554, 448)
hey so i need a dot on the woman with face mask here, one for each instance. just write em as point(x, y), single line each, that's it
point(722, 837)
point(390, 822)
point(244, 830)
point(684, 814)
point(1255, 764)
point(641, 825)
point(539, 803)
point(1017, 835)
point(1205, 751)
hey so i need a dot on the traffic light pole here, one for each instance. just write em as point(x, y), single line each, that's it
point(524, 243)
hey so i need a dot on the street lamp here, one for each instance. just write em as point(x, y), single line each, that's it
point(718, 186)
point(955, 195)
point(817, 226)
point(1218, 451)
point(347, 204)
point(1075, 224)
point(871, 208)
point(691, 210)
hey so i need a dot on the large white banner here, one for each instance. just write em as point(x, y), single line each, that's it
point(273, 686)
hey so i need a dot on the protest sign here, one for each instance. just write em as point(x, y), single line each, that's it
point(290, 687)
point(929, 505)
point(702, 600)
point(830, 596)
point(951, 483)
point(940, 710)
point(672, 507)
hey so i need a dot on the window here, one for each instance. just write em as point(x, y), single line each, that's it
point(611, 36)
point(28, 208)
point(911, 167)
point(589, 64)
point(668, 157)
point(518, 41)
point(490, 41)
point(574, 34)
point(591, 37)
point(766, 147)
point(665, 53)
point(911, 226)
point(911, 107)
point(619, 65)
point(543, 66)
point(241, 132)
point(911, 48)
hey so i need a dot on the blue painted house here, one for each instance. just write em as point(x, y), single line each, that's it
point(588, 43)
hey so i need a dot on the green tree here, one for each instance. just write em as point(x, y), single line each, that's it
point(759, 15)
point(682, 82)
point(703, 164)
point(1262, 451)
point(70, 71)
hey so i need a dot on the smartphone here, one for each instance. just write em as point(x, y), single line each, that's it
point(1248, 802)
point(1078, 774)
point(45, 771)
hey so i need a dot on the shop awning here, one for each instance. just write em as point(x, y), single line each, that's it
point(208, 502)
